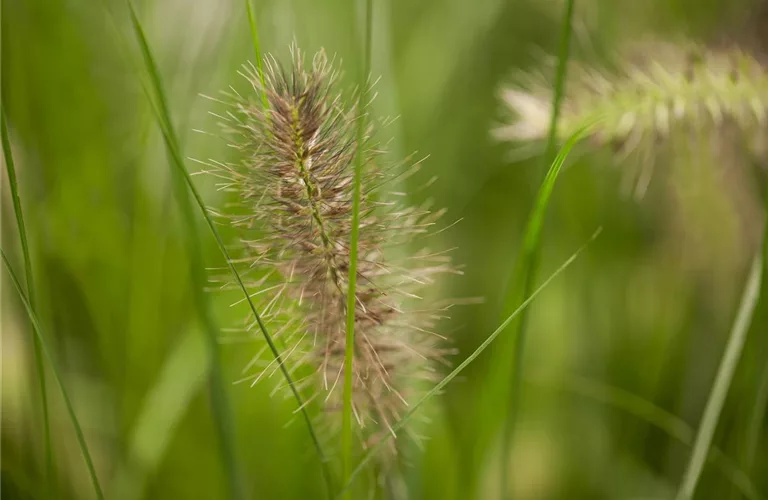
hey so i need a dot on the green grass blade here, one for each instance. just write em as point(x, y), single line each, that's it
point(256, 49)
point(178, 164)
point(39, 367)
point(349, 344)
point(755, 425)
point(487, 342)
point(722, 382)
point(222, 416)
point(57, 376)
point(526, 270)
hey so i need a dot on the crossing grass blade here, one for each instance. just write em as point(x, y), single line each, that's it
point(526, 271)
point(456, 371)
point(57, 376)
point(222, 416)
point(38, 355)
point(161, 110)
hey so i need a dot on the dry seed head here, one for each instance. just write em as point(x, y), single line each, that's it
point(294, 205)
point(659, 90)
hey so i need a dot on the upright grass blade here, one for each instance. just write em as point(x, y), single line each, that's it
point(755, 426)
point(39, 367)
point(177, 162)
point(256, 49)
point(57, 376)
point(220, 405)
point(526, 269)
point(349, 344)
point(752, 294)
point(440, 385)
point(722, 382)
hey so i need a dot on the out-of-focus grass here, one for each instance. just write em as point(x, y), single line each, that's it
point(646, 309)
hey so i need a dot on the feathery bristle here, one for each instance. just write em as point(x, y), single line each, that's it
point(668, 89)
point(294, 189)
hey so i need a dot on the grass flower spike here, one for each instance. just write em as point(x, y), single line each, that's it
point(294, 202)
point(664, 90)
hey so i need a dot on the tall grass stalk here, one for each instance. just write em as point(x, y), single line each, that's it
point(57, 376)
point(523, 279)
point(437, 389)
point(256, 49)
point(753, 293)
point(222, 416)
point(39, 367)
point(722, 382)
point(178, 163)
point(349, 344)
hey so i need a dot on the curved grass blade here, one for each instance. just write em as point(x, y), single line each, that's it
point(57, 376)
point(526, 271)
point(440, 385)
point(223, 419)
point(38, 355)
point(177, 162)
point(349, 342)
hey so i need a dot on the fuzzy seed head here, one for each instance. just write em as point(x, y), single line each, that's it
point(294, 209)
point(658, 92)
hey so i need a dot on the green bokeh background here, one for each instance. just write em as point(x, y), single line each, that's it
point(645, 310)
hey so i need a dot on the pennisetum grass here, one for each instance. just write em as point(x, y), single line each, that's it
point(39, 367)
point(295, 187)
point(220, 405)
point(681, 91)
point(643, 104)
point(317, 227)
point(57, 376)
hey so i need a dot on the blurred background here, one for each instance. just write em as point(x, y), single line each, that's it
point(623, 348)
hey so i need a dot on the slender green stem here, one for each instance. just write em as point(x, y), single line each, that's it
point(39, 367)
point(57, 376)
point(722, 383)
point(755, 426)
point(178, 163)
point(437, 389)
point(349, 345)
point(256, 49)
point(531, 248)
point(753, 293)
point(220, 405)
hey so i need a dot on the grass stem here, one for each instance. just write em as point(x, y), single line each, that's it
point(526, 269)
point(38, 356)
point(349, 344)
point(723, 379)
point(57, 376)
point(223, 420)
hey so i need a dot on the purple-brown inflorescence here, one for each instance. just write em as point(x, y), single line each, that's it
point(294, 190)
